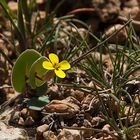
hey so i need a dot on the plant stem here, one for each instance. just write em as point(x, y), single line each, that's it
point(111, 133)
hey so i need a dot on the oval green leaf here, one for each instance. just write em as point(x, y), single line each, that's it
point(38, 103)
point(37, 72)
point(22, 67)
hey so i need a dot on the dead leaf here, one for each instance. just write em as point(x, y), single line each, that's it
point(68, 105)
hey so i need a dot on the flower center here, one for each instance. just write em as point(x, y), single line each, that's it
point(56, 66)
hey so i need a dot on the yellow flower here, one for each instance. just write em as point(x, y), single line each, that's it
point(54, 64)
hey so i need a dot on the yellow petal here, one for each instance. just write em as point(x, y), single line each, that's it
point(48, 65)
point(60, 73)
point(53, 58)
point(64, 65)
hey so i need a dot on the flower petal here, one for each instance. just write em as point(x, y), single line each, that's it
point(60, 73)
point(64, 65)
point(53, 58)
point(47, 65)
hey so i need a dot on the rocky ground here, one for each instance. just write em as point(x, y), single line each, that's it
point(72, 114)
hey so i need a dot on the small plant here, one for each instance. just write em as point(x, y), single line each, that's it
point(112, 77)
point(107, 71)
point(30, 73)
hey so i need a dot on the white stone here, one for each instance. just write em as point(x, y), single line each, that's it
point(11, 133)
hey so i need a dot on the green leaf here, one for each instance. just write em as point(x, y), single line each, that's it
point(20, 71)
point(38, 103)
point(37, 72)
point(21, 25)
point(27, 14)
point(5, 5)
point(39, 91)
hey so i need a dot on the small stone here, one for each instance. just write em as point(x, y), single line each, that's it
point(87, 133)
point(96, 121)
point(35, 114)
point(16, 116)
point(67, 134)
point(94, 139)
point(21, 121)
point(1, 41)
point(53, 92)
point(39, 1)
point(13, 6)
point(107, 128)
point(134, 11)
point(7, 33)
point(2, 126)
point(42, 14)
point(75, 125)
point(120, 37)
point(72, 100)
point(79, 95)
point(87, 123)
point(42, 129)
point(107, 10)
point(49, 135)
point(29, 121)
point(24, 113)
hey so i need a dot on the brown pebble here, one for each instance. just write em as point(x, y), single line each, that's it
point(13, 6)
point(42, 129)
point(96, 121)
point(24, 113)
point(35, 114)
point(29, 121)
point(49, 135)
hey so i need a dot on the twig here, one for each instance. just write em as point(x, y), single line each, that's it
point(135, 22)
point(5, 86)
point(82, 86)
point(56, 113)
point(111, 133)
point(100, 44)
point(79, 10)
point(74, 85)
